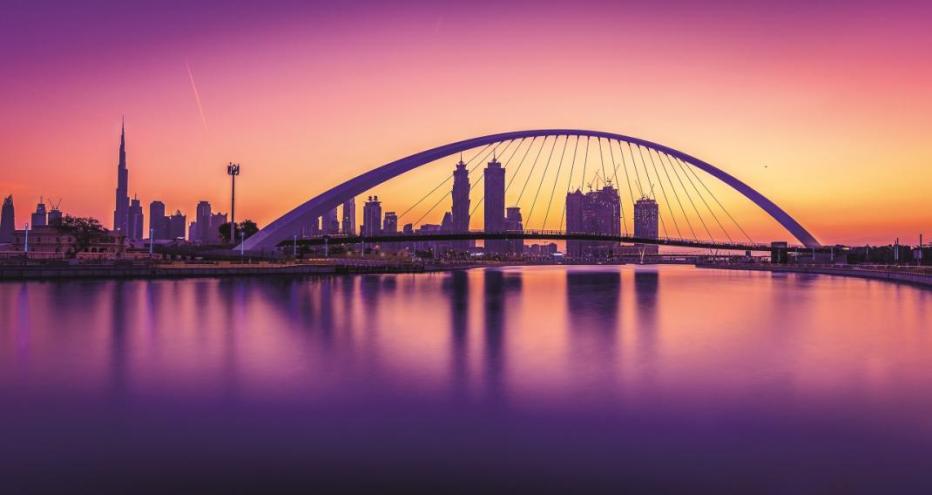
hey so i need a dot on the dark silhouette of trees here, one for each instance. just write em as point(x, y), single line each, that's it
point(245, 229)
point(84, 230)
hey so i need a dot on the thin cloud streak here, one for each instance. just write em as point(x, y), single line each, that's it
point(197, 96)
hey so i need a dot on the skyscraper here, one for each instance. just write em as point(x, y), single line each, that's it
point(121, 211)
point(39, 218)
point(494, 204)
point(176, 225)
point(201, 232)
point(390, 224)
point(575, 204)
point(372, 216)
point(646, 214)
point(514, 223)
point(596, 212)
point(330, 224)
point(158, 222)
point(7, 221)
point(460, 210)
point(134, 221)
point(349, 216)
point(54, 216)
point(217, 220)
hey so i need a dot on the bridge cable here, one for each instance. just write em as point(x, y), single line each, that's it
point(444, 181)
point(520, 164)
point(701, 197)
point(663, 190)
point(654, 196)
point(473, 184)
point(557, 179)
point(675, 194)
point(625, 167)
point(723, 207)
point(449, 193)
point(602, 162)
point(634, 164)
point(533, 166)
point(544, 174)
point(621, 202)
point(686, 191)
point(504, 166)
point(582, 181)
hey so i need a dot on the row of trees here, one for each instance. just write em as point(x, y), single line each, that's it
point(86, 230)
point(244, 230)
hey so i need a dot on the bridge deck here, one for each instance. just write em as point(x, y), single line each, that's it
point(553, 235)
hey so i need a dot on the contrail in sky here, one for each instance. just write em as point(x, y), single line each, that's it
point(197, 96)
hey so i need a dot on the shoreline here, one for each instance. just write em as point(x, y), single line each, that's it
point(905, 277)
point(58, 272)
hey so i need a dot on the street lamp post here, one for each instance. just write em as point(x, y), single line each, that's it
point(26, 245)
point(151, 240)
point(233, 171)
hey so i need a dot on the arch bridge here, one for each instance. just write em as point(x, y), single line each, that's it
point(294, 222)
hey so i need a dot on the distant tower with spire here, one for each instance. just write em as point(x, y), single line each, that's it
point(121, 211)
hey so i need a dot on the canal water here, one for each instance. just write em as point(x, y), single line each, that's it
point(600, 378)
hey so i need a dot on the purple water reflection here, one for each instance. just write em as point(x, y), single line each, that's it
point(543, 377)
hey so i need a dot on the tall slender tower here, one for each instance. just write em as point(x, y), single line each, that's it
point(349, 216)
point(460, 210)
point(121, 211)
point(494, 204)
point(460, 198)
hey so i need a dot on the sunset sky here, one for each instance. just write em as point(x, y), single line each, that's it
point(825, 107)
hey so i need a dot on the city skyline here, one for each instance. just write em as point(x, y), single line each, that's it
point(865, 165)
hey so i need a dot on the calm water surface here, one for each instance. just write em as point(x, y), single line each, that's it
point(669, 378)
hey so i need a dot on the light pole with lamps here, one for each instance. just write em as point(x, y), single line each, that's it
point(233, 171)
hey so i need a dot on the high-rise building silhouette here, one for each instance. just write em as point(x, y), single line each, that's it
point(217, 220)
point(460, 210)
point(330, 223)
point(514, 223)
point(202, 217)
point(54, 216)
point(646, 215)
point(158, 222)
point(40, 217)
point(176, 225)
point(595, 212)
point(135, 221)
point(372, 216)
point(494, 204)
point(7, 221)
point(349, 216)
point(121, 211)
point(390, 224)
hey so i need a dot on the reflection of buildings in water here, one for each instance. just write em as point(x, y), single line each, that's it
point(646, 288)
point(456, 286)
point(119, 371)
point(499, 287)
point(593, 308)
point(23, 325)
point(230, 299)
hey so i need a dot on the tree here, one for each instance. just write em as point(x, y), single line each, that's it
point(83, 229)
point(247, 228)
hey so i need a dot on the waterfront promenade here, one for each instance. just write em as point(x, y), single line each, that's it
point(904, 274)
point(64, 271)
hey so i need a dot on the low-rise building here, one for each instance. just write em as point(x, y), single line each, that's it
point(54, 241)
